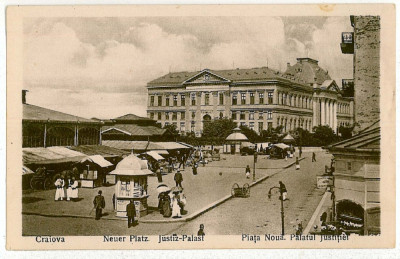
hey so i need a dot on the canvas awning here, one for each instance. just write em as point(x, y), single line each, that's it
point(155, 155)
point(281, 145)
point(97, 159)
point(50, 155)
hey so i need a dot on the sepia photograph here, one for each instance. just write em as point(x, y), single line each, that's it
point(168, 129)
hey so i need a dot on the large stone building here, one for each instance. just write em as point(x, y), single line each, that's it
point(303, 96)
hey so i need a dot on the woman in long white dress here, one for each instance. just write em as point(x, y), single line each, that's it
point(59, 189)
point(69, 189)
point(176, 209)
point(74, 194)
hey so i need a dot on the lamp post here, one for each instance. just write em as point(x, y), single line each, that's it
point(254, 168)
point(282, 211)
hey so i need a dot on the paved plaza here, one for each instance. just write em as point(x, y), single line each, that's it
point(43, 216)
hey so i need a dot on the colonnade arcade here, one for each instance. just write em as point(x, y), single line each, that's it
point(325, 112)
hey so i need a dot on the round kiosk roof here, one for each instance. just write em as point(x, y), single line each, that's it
point(237, 136)
point(132, 165)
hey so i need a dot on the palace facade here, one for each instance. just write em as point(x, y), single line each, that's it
point(303, 96)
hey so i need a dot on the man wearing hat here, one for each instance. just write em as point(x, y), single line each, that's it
point(131, 213)
point(99, 203)
point(178, 178)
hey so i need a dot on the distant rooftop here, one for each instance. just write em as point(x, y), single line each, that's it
point(131, 117)
point(40, 114)
point(307, 70)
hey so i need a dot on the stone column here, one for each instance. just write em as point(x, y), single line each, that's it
point(323, 111)
point(314, 113)
point(335, 124)
point(332, 115)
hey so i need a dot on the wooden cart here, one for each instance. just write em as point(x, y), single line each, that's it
point(243, 192)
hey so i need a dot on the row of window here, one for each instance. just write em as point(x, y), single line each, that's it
point(343, 108)
point(193, 125)
point(242, 115)
point(294, 100)
point(243, 99)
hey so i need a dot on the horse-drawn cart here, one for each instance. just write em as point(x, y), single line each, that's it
point(243, 192)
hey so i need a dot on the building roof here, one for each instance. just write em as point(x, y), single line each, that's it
point(102, 150)
point(367, 140)
point(306, 69)
point(97, 159)
point(40, 114)
point(232, 75)
point(50, 155)
point(134, 130)
point(131, 117)
point(143, 145)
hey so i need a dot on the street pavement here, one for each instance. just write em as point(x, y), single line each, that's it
point(255, 215)
point(208, 186)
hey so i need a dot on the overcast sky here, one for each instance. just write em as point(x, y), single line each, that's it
point(99, 67)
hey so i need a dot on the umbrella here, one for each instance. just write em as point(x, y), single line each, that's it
point(163, 188)
point(176, 189)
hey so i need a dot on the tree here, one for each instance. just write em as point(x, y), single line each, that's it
point(219, 128)
point(345, 132)
point(271, 134)
point(250, 133)
point(324, 135)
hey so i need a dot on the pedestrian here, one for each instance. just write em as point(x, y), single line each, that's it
point(300, 151)
point(313, 157)
point(74, 189)
point(283, 190)
point(69, 188)
point(113, 201)
point(131, 213)
point(194, 168)
point(299, 227)
point(178, 178)
point(159, 175)
point(59, 189)
point(248, 172)
point(176, 209)
point(323, 218)
point(297, 163)
point(201, 230)
point(99, 204)
point(166, 206)
point(161, 202)
point(182, 202)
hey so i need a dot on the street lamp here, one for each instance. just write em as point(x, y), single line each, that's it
point(282, 211)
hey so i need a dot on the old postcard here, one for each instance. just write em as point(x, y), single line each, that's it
point(200, 126)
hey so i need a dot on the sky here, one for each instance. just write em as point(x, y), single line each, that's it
point(99, 67)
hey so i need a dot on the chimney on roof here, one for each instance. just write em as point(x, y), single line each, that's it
point(288, 64)
point(24, 96)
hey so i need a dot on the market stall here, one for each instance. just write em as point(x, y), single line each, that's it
point(131, 183)
point(93, 171)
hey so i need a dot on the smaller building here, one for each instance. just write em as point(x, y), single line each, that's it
point(234, 142)
point(43, 127)
point(357, 181)
point(131, 127)
point(131, 183)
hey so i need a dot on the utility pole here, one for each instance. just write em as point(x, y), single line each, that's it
point(282, 210)
point(254, 167)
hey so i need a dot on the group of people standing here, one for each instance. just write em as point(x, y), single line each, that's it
point(66, 189)
point(172, 204)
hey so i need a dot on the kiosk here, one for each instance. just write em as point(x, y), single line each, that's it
point(131, 183)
